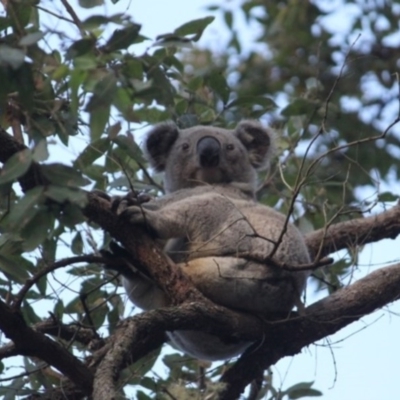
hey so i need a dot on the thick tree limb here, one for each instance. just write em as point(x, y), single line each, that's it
point(34, 344)
point(322, 319)
point(280, 337)
point(356, 232)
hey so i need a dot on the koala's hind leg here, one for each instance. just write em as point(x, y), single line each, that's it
point(144, 293)
point(242, 284)
point(138, 285)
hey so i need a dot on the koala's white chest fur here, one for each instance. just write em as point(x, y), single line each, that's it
point(217, 234)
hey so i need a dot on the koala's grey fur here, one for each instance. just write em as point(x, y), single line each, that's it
point(214, 229)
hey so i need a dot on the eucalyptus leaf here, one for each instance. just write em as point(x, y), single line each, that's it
point(63, 175)
point(16, 166)
point(31, 38)
point(195, 27)
point(123, 38)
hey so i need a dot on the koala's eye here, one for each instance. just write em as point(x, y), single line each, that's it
point(185, 146)
point(230, 146)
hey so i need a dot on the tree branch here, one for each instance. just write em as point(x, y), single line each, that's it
point(280, 337)
point(28, 342)
point(321, 319)
point(356, 232)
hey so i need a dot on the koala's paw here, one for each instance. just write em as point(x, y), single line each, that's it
point(137, 215)
point(120, 203)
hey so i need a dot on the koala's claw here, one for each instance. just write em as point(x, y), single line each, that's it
point(120, 203)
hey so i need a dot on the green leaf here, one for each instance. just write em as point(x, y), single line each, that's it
point(77, 244)
point(387, 197)
point(12, 266)
point(114, 130)
point(40, 151)
point(29, 314)
point(133, 68)
point(16, 166)
point(92, 152)
point(300, 107)
point(196, 83)
point(123, 38)
point(76, 80)
point(11, 56)
point(173, 41)
point(66, 194)
point(142, 396)
point(10, 244)
point(36, 230)
point(41, 284)
point(135, 372)
point(20, 15)
point(31, 38)
point(265, 102)
point(128, 144)
point(90, 3)
point(80, 47)
point(98, 121)
point(63, 175)
point(59, 308)
point(302, 389)
point(218, 84)
point(103, 93)
point(72, 213)
point(299, 393)
point(95, 21)
point(24, 210)
point(86, 62)
point(194, 27)
point(151, 115)
point(228, 17)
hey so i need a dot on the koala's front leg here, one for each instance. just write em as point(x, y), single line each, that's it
point(184, 218)
point(163, 223)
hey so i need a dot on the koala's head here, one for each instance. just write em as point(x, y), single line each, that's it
point(209, 155)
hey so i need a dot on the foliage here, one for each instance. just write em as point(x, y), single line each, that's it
point(88, 85)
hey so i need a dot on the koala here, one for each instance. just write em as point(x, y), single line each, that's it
point(214, 230)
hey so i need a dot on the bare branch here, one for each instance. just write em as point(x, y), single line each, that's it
point(50, 268)
point(74, 16)
point(31, 343)
point(356, 232)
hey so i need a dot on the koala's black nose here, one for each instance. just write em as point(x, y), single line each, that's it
point(208, 149)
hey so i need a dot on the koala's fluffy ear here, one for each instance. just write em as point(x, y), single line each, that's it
point(158, 144)
point(258, 141)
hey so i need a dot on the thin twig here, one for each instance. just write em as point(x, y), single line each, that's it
point(16, 304)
